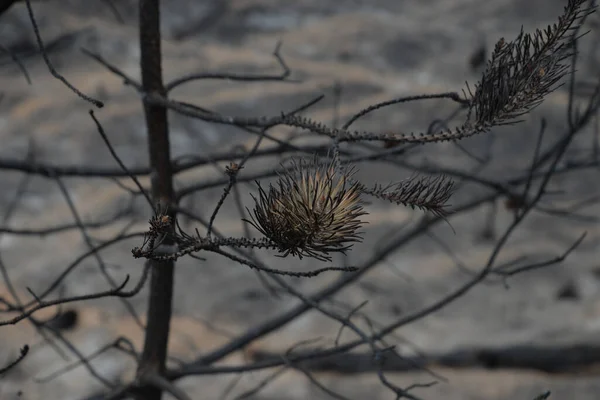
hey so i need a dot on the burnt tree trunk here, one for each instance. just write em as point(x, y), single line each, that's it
point(153, 358)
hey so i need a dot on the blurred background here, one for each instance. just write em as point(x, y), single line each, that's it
point(356, 53)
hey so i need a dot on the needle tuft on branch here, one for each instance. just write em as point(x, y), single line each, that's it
point(312, 211)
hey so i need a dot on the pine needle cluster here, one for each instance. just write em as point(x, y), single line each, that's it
point(312, 211)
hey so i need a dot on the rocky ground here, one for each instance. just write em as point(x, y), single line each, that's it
point(374, 50)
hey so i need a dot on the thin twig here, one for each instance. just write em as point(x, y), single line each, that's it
point(51, 68)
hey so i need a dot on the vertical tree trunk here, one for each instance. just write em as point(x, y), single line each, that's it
point(161, 282)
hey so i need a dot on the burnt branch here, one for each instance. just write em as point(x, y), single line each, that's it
point(40, 304)
point(282, 77)
point(558, 359)
point(51, 68)
point(22, 354)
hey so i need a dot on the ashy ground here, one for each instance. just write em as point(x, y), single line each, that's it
point(372, 50)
